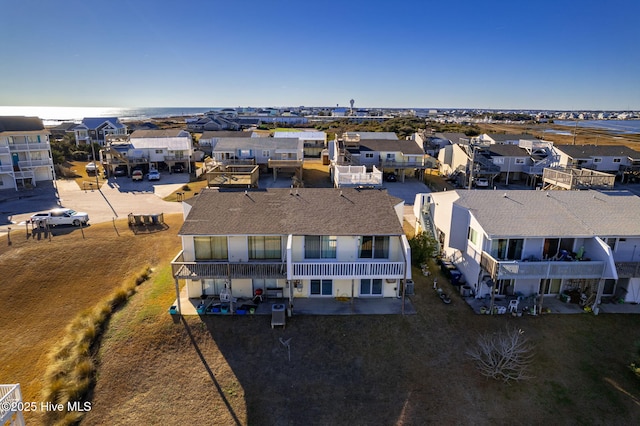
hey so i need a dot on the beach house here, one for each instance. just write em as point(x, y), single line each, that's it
point(96, 129)
point(523, 242)
point(25, 152)
point(319, 243)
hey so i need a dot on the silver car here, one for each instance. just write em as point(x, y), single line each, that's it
point(60, 216)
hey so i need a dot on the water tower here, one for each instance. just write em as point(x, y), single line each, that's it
point(351, 102)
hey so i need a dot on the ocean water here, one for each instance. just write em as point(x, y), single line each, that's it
point(56, 115)
point(614, 126)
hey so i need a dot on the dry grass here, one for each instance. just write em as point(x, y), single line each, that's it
point(357, 370)
point(45, 284)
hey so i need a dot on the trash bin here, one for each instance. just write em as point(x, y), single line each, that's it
point(278, 314)
point(409, 288)
point(465, 290)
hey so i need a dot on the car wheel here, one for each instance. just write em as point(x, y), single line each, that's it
point(76, 222)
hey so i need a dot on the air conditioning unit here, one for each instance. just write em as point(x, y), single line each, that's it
point(409, 288)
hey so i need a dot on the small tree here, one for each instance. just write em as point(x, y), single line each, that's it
point(504, 355)
point(423, 246)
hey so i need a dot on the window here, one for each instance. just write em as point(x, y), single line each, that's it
point(320, 247)
point(374, 247)
point(597, 160)
point(617, 160)
point(264, 247)
point(473, 236)
point(507, 249)
point(265, 152)
point(391, 156)
point(210, 248)
point(498, 160)
point(158, 151)
point(370, 287)
point(611, 242)
point(519, 160)
point(322, 287)
point(368, 155)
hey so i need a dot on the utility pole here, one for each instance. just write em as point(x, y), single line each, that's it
point(473, 159)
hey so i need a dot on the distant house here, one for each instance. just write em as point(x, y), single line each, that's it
point(270, 153)
point(512, 161)
point(94, 130)
point(313, 142)
point(603, 158)
point(62, 129)
point(209, 139)
point(308, 243)
point(145, 149)
point(523, 243)
point(25, 153)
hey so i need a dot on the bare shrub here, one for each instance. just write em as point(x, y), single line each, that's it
point(504, 355)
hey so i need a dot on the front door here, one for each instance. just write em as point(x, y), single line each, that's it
point(321, 287)
point(550, 286)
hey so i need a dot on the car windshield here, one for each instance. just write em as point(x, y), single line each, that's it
point(71, 212)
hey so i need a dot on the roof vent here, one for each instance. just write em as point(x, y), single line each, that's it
point(547, 194)
point(246, 192)
point(343, 195)
point(504, 195)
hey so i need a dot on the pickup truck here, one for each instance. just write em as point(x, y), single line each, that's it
point(60, 216)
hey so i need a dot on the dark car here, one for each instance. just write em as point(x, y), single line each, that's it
point(120, 171)
point(177, 168)
point(391, 177)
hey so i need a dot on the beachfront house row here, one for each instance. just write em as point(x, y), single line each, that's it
point(525, 243)
point(293, 243)
point(25, 153)
point(96, 129)
point(149, 149)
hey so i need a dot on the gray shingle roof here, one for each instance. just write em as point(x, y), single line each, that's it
point(400, 145)
point(20, 124)
point(156, 133)
point(587, 151)
point(303, 211)
point(231, 144)
point(530, 213)
point(507, 150)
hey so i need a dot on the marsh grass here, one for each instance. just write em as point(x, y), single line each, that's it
point(71, 372)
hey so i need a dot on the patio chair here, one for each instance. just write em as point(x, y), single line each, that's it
point(225, 296)
point(513, 305)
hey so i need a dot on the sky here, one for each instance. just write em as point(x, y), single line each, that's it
point(516, 54)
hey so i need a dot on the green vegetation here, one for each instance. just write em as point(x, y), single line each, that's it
point(423, 247)
point(402, 126)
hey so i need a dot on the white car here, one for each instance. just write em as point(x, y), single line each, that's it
point(60, 216)
point(153, 175)
point(481, 182)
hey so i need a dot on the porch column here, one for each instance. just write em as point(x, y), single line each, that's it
point(178, 295)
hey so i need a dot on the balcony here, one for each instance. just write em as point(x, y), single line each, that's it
point(182, 269)
point(347, 270)
point(410, 164)
point(35, 146)
point(515, 269)
point(35, 163)
point(284, 163)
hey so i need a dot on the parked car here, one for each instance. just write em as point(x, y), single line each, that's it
point(91, 168)
point(177, 168)
point(481, 182)
point(120, 171)
point(153, 175)
point(60, 216)
point(137, 175)
point(390, 177)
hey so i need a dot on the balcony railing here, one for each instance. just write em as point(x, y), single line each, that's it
point(514, 269)
point(347, 270)
point(628, 269)
point(35, 146)
point(284, 163)
point(409, 164)
point(6, 169)
point(35, 163)
point(4, 149)
point(211, 269)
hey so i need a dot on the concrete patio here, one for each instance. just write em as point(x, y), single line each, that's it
point(307, 306)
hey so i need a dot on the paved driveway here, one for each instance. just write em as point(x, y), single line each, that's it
point(116, 199)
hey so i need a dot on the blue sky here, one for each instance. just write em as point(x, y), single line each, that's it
point(516, 54)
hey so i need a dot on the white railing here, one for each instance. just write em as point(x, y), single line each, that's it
point(345, 270)
point(4, 149)
point(357, 175)
point(6, 169)
point(35, 146)
point(10, 395)
point(35, 163)
point(513, 269)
